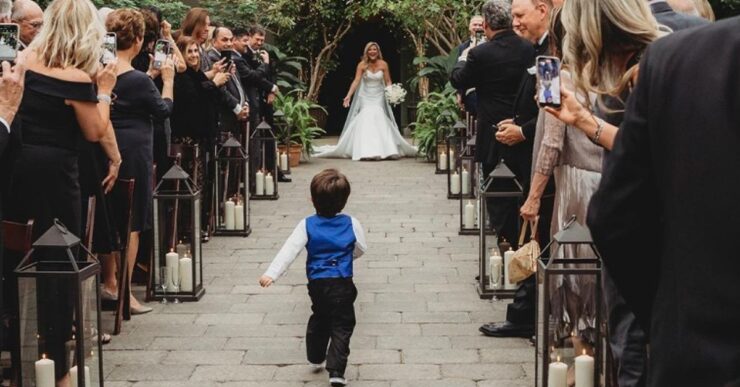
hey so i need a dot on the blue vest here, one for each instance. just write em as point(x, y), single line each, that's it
point(331, 243)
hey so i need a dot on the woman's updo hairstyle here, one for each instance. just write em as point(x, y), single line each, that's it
point(129, 26)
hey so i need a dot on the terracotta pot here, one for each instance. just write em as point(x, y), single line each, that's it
point(295, 154)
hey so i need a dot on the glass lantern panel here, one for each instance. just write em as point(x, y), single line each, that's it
point(91, 330)
point(195, 252)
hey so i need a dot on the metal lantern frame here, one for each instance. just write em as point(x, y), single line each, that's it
point(263, 138)
point(231, 156)
point(174, 189)
point(456, 145)
point(280, 123)
point(548, 270)
point(82, 279)
point(442, 147)
point(500, 183)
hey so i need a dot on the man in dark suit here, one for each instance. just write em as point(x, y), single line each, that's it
point(467, 98)
point(253, 66)
point(672, 19)
point(670, 251)
point(531, 20)
point(236, 109)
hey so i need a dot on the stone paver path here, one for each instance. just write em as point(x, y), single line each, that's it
point(418, 312)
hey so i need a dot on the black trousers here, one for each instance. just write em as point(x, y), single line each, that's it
point(332, 322)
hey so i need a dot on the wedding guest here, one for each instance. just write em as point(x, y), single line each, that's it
point(29, 17)
point(515, 139)
point(138, 102)
point(261, 96)
point(237, 110)
point(466, 98)
point(670, 146)
point(60, 107)
point(606, 63)
point(672, 19)
point(333, 241)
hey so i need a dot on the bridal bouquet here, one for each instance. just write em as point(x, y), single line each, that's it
point(395, 94)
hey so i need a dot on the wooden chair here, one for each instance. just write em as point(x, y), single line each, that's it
point(122, 197)
point(18, 238)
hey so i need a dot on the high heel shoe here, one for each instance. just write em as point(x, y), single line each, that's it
point(141, 309)
point(106, 295)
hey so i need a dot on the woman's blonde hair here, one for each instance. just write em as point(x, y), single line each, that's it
point(598, 34)
point(72, 36)
point(705, 9)
point(365, 58)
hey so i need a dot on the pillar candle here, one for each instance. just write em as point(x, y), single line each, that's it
point(508, 255)
point(442, 161)
point(495, 269)
point(557, 374)
point(171, 262)
point(45, 372)
point(239, 215)
point(452, 160)
point(186, 274)
point(259, 183)
point(584, 370)
point(181, 248)
point(469, 215)
point(229, 217)
point(284, 161)
point(269, 184)
point(74, 379)
point(465, 182)
point(455, 183)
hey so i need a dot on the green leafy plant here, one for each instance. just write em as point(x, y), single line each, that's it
point(298, 119)
point(437, 69)
point(435, 116)
point(287, 69)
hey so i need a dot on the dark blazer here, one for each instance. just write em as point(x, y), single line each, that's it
point(227, 119)
point(675, 20)
point(470, 100)
point(195, 113)
point(494, 68)
point(666, 215)
point(254, 76)
point(519, 157)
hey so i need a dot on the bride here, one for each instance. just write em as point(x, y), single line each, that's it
point(370, 132)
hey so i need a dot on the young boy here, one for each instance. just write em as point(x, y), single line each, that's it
point(332, 241)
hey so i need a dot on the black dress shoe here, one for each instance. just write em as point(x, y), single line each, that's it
point(507, 329)
point(284, 179)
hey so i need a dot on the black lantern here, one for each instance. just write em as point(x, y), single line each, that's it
point(264, 165)
point(284, 144)
point(58, 282)
point(441, 154)
point(501, 183)
point(231, 200)
point(570, 329)
point(177, 268)
point(456, 144)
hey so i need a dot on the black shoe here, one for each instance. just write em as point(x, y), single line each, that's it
point(336, 379)
point(284, 179)
point(507, 329)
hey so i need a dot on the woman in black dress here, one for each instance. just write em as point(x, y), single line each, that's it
point(60, 107)
point(137, 104)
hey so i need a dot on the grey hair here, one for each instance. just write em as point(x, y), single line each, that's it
point(497, 14)
point(5, 8)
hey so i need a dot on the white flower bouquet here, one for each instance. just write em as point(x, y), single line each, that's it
point(395, 94)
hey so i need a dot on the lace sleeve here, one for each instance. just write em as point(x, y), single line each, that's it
point(552, 145)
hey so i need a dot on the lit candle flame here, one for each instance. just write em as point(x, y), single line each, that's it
point(43, 356)
point(584, 351)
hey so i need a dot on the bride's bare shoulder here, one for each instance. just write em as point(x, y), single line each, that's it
point(383, 65)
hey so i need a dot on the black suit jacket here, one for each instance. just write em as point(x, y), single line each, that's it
point(227, 119)
point(666, 216)
point(255, 79)
point(675, 20)
point(494, 68)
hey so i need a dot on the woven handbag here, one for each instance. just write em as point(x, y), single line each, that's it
point(524, 262)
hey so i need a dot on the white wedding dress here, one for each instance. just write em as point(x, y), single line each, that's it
point(370, 131)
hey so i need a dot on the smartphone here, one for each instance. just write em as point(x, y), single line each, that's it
point(548, 81)
point(226, 54)
point(162, 50)
point(8, 42)
point(109, 48)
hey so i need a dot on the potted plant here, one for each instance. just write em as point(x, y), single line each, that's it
point(297, 116)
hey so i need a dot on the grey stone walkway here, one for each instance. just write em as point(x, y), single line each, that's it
point(418, 312)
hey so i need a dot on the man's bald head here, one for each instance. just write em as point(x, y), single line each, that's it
point(30, 17)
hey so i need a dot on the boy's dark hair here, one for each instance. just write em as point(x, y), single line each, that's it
point(329, 192)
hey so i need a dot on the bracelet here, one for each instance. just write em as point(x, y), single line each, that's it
point(599, 129)
point(105, 98)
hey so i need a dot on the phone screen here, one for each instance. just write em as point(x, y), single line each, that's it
point(161, 50)
point(548, 81)
point(8, 42)
point(109, 48)
point(226, 54)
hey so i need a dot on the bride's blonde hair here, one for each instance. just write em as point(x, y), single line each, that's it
point(72, 36)
point(365, 58)
point(597, 32)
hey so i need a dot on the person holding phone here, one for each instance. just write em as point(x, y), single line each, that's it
point(466, 98)
point(238, 110)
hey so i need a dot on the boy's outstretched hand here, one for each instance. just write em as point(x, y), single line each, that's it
point(265, 281)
